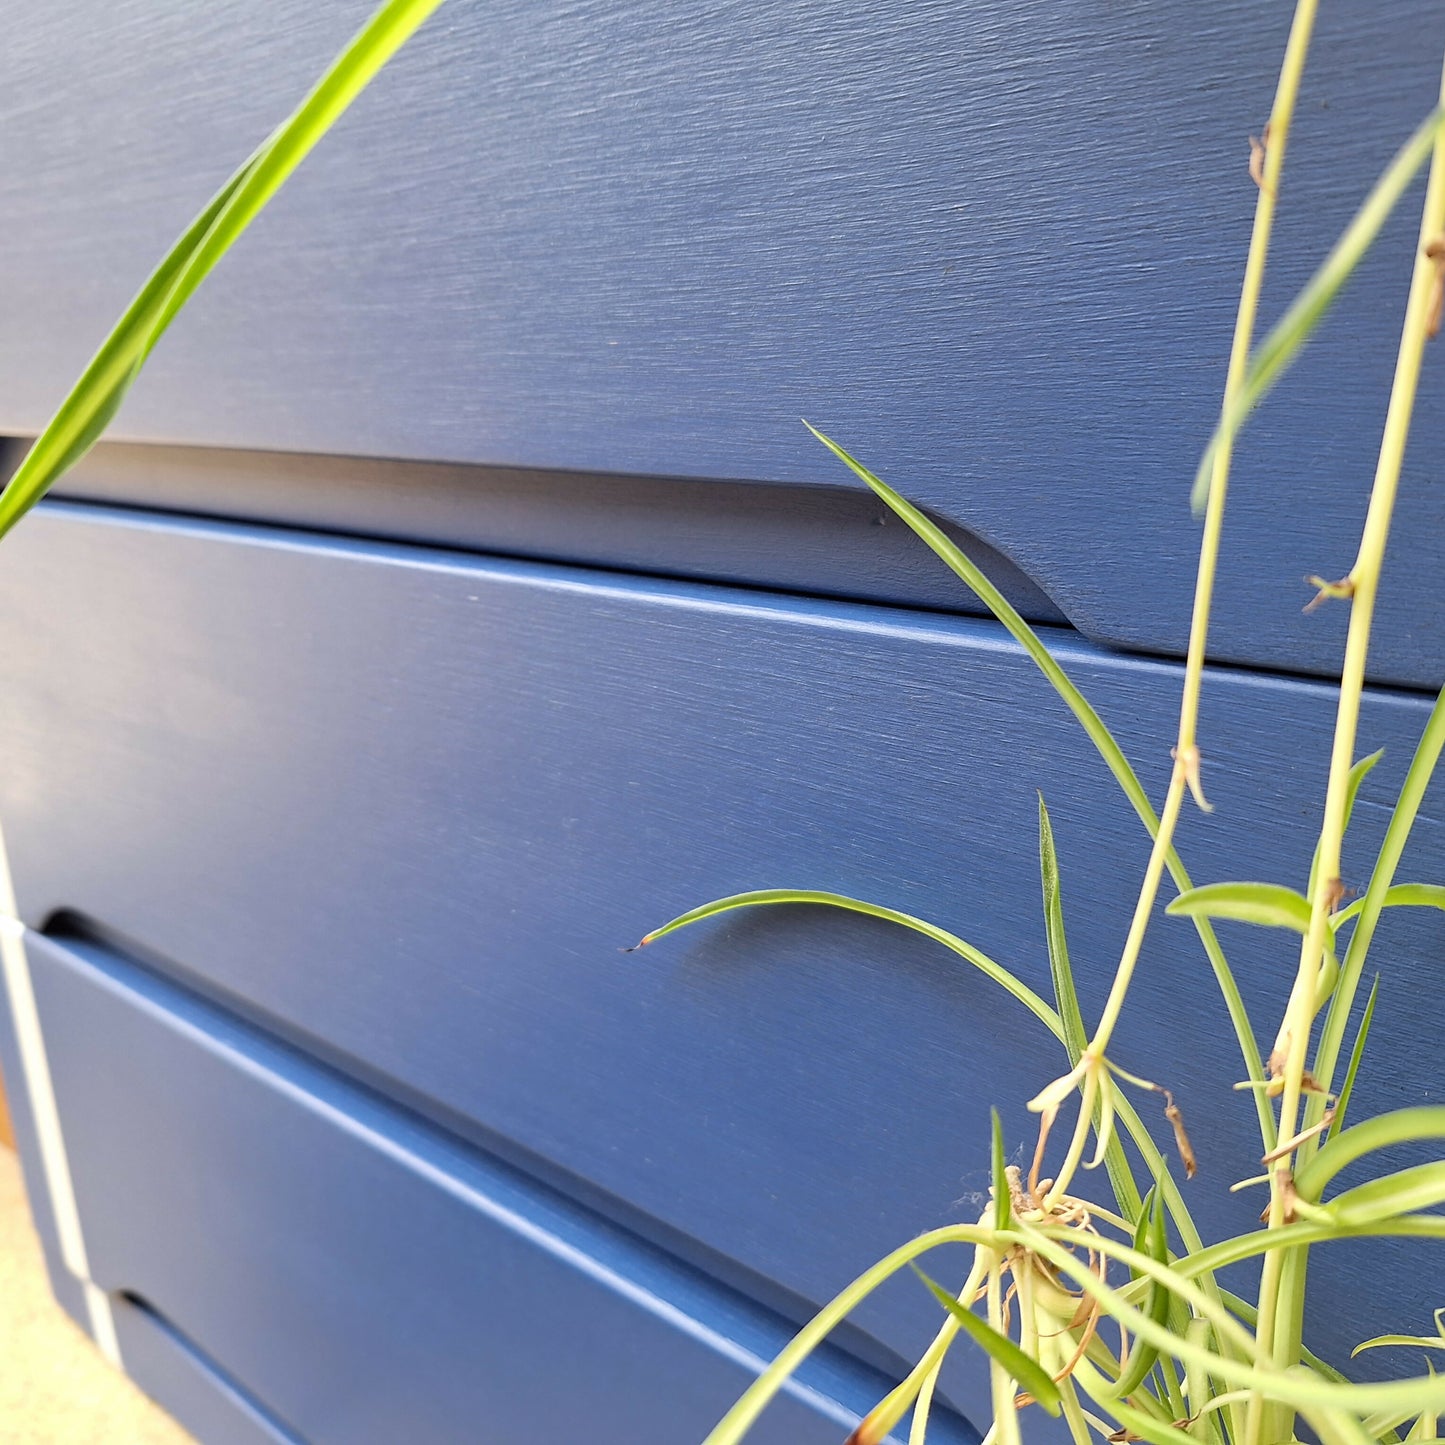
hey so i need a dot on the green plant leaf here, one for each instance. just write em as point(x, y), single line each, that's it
point(1029, 1373)
point(1270, 905)
point(94, 400)
point(1400, 895)
point(1277, 351)
point(1427, 1426)
point(1383, 1426)
point(1148, 1428)
point(1125, 1111)
point(1329, 974)
point(1066, 1000)
point(1361, 770)
point(1197, 1387)
point(1296, 1388)
point(764, 897)
point(1337, 1427)
point(1076, 1037)
point(1424, 1342)
point(972, 576)
point(1250, 1315)
point(1156, 1245)
point(1356, 1054)
point(1142, 1224)
point(1358, 774)
point(1407, 1191)
point(1318, 1229)
point(1002, 1200)
point(1399, 1126)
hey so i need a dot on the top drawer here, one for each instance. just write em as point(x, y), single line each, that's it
point(992, 246)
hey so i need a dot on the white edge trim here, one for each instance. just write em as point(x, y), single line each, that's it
point(40, 1091)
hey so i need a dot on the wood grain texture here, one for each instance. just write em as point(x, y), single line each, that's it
point(403, 808)
point(992, 246)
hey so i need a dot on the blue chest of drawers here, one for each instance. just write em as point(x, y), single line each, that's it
point(460, 598)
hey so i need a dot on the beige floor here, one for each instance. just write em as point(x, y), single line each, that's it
point(55, 1389)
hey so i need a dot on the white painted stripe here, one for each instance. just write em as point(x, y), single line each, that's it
point(43, 1110)
point(102, 1323)
point(8, 907)
point(40, 1091)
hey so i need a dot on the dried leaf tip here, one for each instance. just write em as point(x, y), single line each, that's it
point(1435, 251)
point(867, 1432)
point(1289, 1197)
point(1290, 1145)
point(1181, 1138)
point(1174, 1114)
point(1335, 891)
point(1274, 1086)
point(1258, 150)
point(1189, 759)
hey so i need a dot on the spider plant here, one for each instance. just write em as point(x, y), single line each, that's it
point(1183, 1359)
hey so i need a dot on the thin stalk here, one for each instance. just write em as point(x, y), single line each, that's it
point(918, 1426)
point(1148, 892)
point(1280, 1310)
point(1074, 1416)
point(1005, 1411)
point(1078, 1140)
point(1286, 95)
point(1172, 1389)
point(1186, 771)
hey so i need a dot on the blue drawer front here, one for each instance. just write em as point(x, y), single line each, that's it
point(992, 246)
point(402, 809)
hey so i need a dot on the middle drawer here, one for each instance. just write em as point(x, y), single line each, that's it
point(403, 808)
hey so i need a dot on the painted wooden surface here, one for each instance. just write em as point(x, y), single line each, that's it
point(361, 1278)
point(402, 808)
point(191, 1392)
point(993, 246)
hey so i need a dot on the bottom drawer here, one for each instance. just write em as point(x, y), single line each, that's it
point(289, 1258)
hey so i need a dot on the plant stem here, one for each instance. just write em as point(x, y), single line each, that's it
point(1185, 773)
point(918, 1426)
point(1422, 768)
point(1079, 1431)
point(1280, 1310)
point(1005, 1411)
